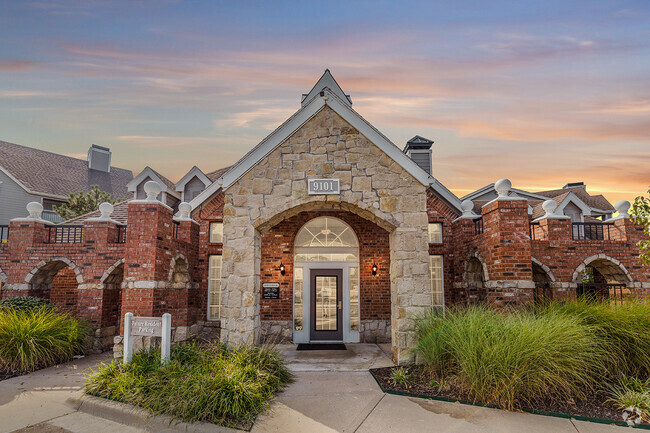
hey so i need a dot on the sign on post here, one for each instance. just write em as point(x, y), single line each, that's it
point(147, 327)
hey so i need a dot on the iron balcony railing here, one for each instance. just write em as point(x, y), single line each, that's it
point(478, 226)
point(532, 228)
point(65, 234)
point(175, 227)
point(4, 234)
point(121, 234)
point(591, 231)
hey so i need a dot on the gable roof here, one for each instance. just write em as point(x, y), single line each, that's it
point(307, 111)
point(194, 172)
point(597, 202)
point(148, 172)
point(514, 192)
point(55, 175)
point(326, 81)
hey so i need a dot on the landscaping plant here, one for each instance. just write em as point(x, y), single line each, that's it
point(25, 303)
point(38, 337)
point(631, 393)
point(511, 358)
point(199, 383)
point(399, 376)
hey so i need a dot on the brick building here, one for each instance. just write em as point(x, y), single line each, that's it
point(325, 231)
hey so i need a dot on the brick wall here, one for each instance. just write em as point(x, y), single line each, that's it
point(63, 292)
point(277, 246)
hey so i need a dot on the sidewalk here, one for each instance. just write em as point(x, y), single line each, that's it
point(338, 400)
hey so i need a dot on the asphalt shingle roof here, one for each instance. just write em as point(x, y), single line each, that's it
point(59, 175)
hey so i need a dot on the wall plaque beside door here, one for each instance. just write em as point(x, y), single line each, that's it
point(270, 290)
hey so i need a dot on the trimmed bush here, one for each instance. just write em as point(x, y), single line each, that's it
point(25, 303)
point(511, 358)
point(199, 383)
point(37, 338)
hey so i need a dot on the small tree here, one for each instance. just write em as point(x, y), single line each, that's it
point(83, 202)
point(640, 214)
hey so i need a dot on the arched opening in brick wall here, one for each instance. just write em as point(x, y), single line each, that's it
point(543, 290)
point(600, 277)
point(474, 281)
point(112, 295)
point(58, 281)
point(3, 281)
point(179, 274)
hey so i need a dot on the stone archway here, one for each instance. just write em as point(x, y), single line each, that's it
point(475, 276)
point(611, 269)
point(601, 277)
point(543, 279)
point(111, 285)
point(179, 275)
point(58, 280)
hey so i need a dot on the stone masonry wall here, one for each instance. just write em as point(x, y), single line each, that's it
point(372, 186)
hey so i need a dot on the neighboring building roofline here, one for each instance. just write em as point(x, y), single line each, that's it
point(150, 172)
point(194, 171)
point(487, 188)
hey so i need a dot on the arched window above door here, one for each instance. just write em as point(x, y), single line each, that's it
point(326, 232)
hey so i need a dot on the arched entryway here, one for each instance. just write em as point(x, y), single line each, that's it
point(57, 280)
point(600, 277)
point(112, 296)
point(326, 282)
point(543, 279)
point(474, 279)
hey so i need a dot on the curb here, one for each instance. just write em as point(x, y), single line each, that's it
point(531, 411)
point(141, 418)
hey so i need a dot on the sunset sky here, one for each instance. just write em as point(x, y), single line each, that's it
point(543, 93)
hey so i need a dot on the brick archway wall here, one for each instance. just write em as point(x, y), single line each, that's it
point(610, 267)
point(277, 245)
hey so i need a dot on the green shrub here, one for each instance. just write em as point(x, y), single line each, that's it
point(36, 338)
point(399, 376)
point(510, 358)
point(25, 303)
point(621, 329)
point(199, 383)
point(632, 392)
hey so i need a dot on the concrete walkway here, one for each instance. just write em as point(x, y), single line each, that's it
point(337, 394)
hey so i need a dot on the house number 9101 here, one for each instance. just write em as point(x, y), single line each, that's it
point(323, 186)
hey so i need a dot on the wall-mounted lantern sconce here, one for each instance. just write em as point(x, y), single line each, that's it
point(374, 268)
point(282, 270)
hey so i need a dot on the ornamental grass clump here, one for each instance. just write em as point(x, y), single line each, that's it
point(38, 337)
point(511, 358)
point(622, 330)
point(199, 383)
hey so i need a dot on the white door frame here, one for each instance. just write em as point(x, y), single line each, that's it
point(302, 336)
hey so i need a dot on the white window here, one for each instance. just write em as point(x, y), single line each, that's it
point(216, 232)
point(437, 281)
point(435, 233)
point(214, 288)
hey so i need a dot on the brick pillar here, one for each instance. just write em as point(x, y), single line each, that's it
point(506, 234)
point(556, 230)
point(24, 234)
point(146, 267)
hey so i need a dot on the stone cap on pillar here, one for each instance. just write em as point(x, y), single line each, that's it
point(35, 211)
point(623, 208)
point(468, 211)
point(503, 187)
point(183, 214)
point(152, 189)
point(106, 210)
point(549, 207)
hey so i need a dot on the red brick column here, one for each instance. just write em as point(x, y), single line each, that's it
point(149, 236)
point(24, 235)
point(507, 241)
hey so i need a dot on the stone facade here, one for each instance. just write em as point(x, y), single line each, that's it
point(373, 186)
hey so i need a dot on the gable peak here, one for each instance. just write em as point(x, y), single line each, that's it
point(326, 81)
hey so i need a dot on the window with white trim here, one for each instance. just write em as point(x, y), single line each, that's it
point(214, 288)
point(437, 281)
point(435, 233)
point(216, 232)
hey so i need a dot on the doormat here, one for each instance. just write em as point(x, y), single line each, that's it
point(321, 346)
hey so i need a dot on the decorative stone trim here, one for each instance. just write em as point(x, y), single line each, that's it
point(477, 255)
point(545, 268)
point(375, 331)
point(3, 277)
point(581, 267)
point(68, 262)
point(110, 270)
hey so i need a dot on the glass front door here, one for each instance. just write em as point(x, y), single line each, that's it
point(326, 304)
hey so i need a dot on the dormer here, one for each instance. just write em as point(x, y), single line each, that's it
point(326, 81)
point(192, 184)
point(167, 195)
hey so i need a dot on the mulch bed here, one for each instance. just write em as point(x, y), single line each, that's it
point(418, 385)
point(8, 374)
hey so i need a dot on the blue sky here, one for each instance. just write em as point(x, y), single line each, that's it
point(543, 93)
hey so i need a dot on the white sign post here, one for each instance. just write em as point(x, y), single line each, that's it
point(147, 327)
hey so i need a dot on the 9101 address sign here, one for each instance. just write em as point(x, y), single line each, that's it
point(323, 186)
